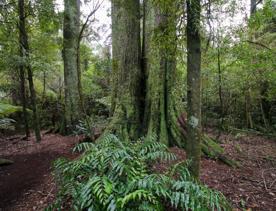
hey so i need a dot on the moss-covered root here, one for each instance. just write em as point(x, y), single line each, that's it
point(214, 151)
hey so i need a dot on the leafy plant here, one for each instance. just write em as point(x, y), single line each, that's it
point(8, 109)
point(116, 175)
point(90, 126)
point(7, 124)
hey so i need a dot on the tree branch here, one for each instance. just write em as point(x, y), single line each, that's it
point(259, 44)
point(88, 19)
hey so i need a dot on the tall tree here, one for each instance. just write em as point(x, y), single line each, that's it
point(126, 68)
point(159, 63)
point(23, 91)
point(24, 44)
point(194, 85)
point(70, 55)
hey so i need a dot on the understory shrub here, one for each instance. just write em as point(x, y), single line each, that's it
point(116, 175)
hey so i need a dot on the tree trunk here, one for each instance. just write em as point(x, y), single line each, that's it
point(194, 86)
point(24, 42)
point(265, 104)
point(160, 116)
point(126, 68)
point(23, 95)
point(70, 55)
point(220, 87)
point(249, 121)
point(22, 87)
point(79, 61)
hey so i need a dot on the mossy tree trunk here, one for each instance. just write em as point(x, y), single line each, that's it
point(160, 117)
point(126, 68)
point(194, 86)
point(70, 55)
point(26, 54)
point(22, 88)
point(143, 93)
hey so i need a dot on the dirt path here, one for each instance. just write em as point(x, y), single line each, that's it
point(28, 184)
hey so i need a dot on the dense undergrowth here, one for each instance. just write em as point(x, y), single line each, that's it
point(116, 175)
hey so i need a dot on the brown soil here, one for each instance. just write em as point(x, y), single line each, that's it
point(29, 185)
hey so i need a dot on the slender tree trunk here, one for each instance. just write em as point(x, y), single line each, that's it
point(220, 87)
point(44, 85)
point(22, 87)
point(78, 60)
point(79, 79)
point(115, 54)
point(126, 68)
point(249, 121)
point(265, 104)
point(23, 94)
point(194, 85)
point(25, 44)
point(263, 115)
point(70, 57)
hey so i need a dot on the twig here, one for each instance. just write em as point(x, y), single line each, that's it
point(50, 193)
point(264, 180)
point(271, 185)
point(259, 44)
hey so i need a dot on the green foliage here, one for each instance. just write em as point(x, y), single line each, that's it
point(116, 175)
point(6, 124)
point(8, 109)
point(91, 126)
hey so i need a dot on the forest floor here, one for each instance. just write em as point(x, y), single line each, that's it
point(28, 184)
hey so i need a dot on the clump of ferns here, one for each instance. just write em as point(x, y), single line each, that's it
point(115, 175)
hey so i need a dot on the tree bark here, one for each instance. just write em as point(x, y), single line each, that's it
point(25, 47)
point(23, 96)
point(22, 87)
point(249, 120)
point(220, 86)
point(194, 86)
point(160, 116)
point(126, 68)
point(70, 55)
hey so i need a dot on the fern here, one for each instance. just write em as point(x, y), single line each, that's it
point(116, 175)
point(7, 124)
point(8, 109)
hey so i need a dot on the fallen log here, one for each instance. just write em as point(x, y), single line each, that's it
point(213, 150)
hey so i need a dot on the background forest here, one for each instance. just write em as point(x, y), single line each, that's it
point(237, 63)
point(132, 78)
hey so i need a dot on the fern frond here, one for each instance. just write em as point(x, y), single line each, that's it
point(137, 195)
point(85, 146)
point(115, 175)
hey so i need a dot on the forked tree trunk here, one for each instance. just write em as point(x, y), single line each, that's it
point(126, 68)
point(160, 116)
point(24, 42)
point(194, 86)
